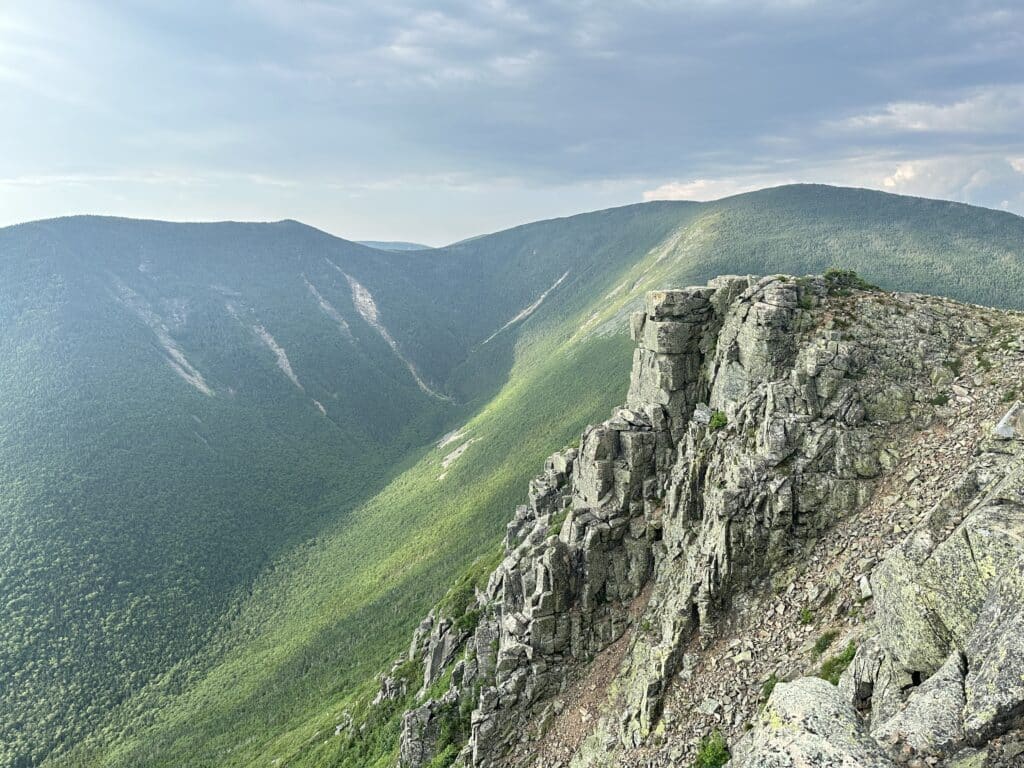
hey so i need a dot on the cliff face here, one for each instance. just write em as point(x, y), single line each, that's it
point(722, 531)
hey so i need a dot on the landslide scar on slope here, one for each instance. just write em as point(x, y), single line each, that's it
point(525, 312)
point(366, 306)
point(173, 353)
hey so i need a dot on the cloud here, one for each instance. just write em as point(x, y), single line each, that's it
point(904, 174)
point(464, 115)
point(702, 189)
point(990, 110)
point(981, 178)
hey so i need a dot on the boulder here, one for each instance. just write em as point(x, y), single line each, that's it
point(995, 655)
point(932, 722)
point(1012, 424)
point(929, 593)
point(807, 723)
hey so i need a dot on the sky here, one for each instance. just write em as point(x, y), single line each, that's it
point(436, 121)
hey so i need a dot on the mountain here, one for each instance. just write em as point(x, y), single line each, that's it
point(800, 540)
point(393, 245)
point(241, 461)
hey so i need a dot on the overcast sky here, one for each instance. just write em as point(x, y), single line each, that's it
point(433, 121)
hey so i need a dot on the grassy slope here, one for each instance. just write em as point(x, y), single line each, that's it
point(302, 649)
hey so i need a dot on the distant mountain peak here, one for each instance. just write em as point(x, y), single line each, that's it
point(394, 245)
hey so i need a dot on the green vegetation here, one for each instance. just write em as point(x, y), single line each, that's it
point(842, 280)
point(833, 668)
point(557, 520)
point(216, 581)
point(940, 399)
point(806, 616)
point(822, 643)
point(453, 735)
point(459, 603)
point(462, 594)
point(718, 421)
point(713, 752)
point(769, 686)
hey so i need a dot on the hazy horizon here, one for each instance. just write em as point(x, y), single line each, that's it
point(379, 242)
point(399, 121)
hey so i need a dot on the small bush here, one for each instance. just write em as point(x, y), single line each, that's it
point(718, 420)
point(824, 642)
point(461, 597)
point(832, 668)
point(712, 752)
point(1009, 395)
point(983, 362)
point(467, 622)
point(769, 686)
point(557, 519)
point(942, 399)
point(844, 279)
point(806, 615)
point(445, 757)
point(410, 670)
point(954, 364)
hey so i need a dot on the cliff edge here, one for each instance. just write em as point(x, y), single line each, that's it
point(801, 542)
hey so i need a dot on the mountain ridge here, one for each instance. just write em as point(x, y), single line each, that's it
point(764, 416)
point(737, 197)
point(350, 518)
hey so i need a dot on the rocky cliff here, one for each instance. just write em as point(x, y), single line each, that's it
point(799, 540)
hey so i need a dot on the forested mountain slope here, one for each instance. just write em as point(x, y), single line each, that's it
point(224, 499)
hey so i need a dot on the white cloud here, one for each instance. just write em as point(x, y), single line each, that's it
point(988, 110)
point(982, 178)
point(701, 189)
point(904, 174)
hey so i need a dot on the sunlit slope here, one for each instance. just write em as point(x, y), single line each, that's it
point(182, 405)
point(303, 648)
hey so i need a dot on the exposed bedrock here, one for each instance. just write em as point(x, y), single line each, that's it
point(759, 413)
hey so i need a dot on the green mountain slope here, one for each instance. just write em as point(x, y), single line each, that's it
point(180, 405)
point(183, 404)
point(248, 593)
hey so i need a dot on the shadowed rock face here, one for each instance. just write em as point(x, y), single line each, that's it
point(760, 412)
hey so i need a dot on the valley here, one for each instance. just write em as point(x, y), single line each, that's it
point(227, 495)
